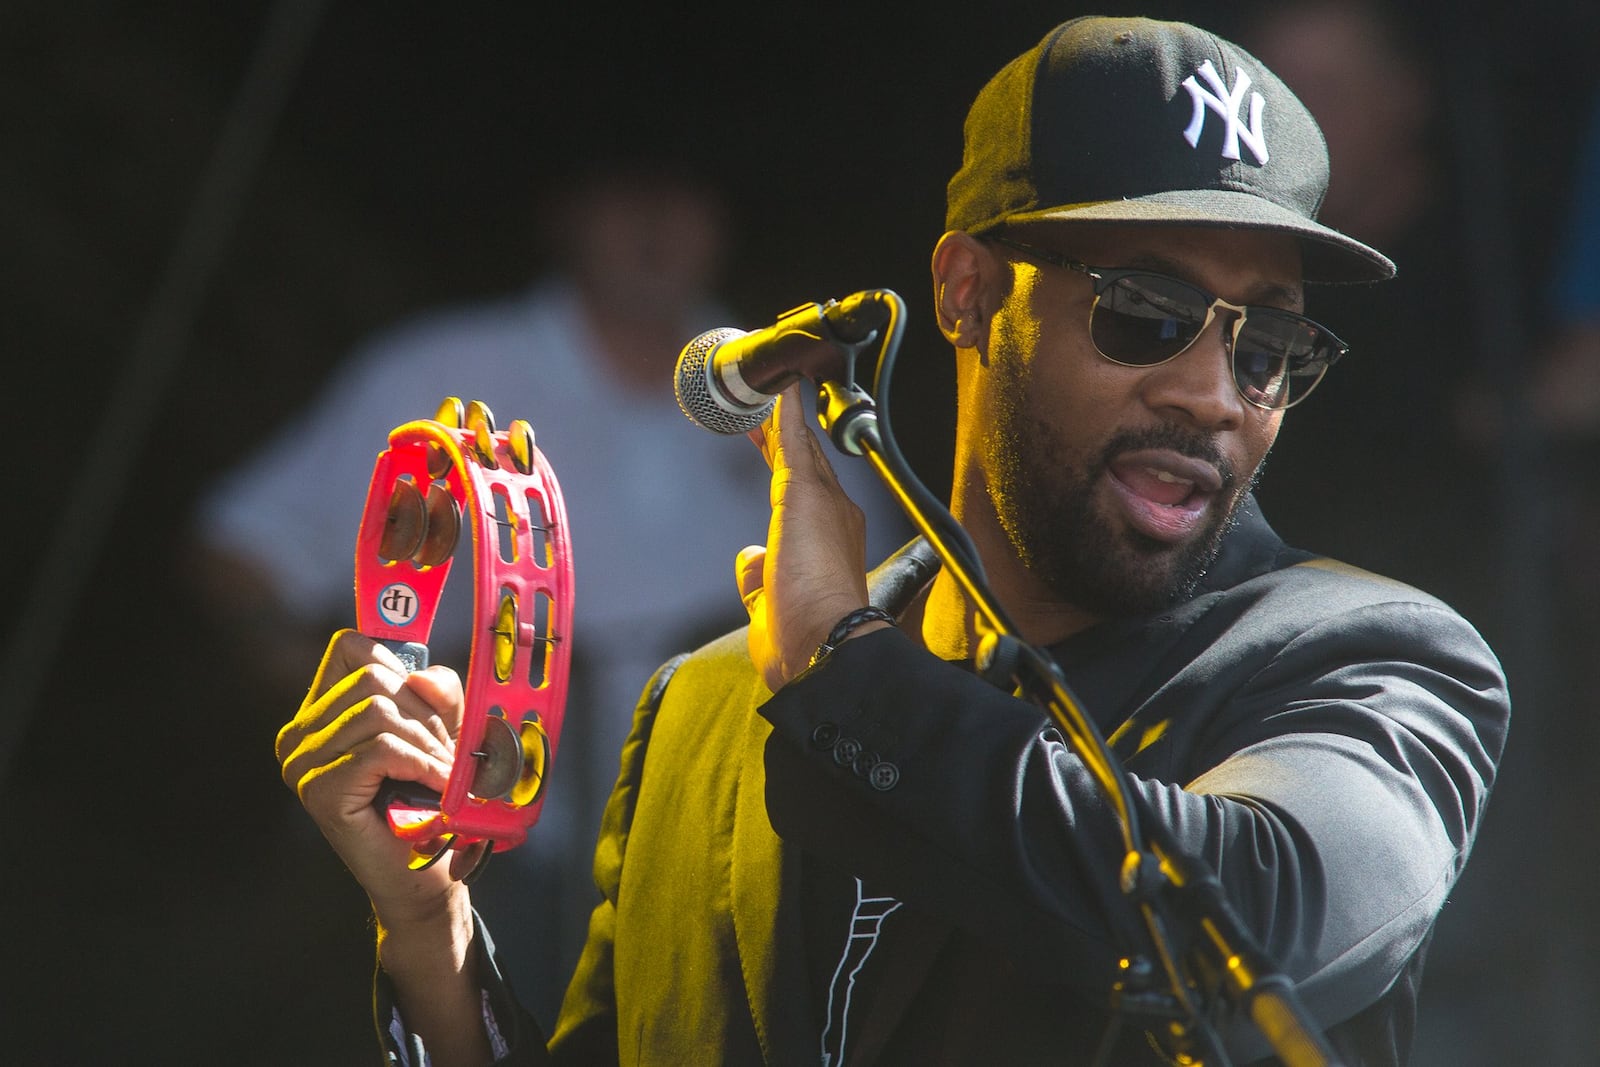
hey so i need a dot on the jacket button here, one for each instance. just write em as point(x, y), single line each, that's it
point(845, 751)
point(864, 763)
point(825, 734)
point(884, 776)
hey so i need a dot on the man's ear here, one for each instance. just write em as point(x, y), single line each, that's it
point(962, 266)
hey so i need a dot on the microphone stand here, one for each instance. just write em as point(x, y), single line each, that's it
point(1156, 877)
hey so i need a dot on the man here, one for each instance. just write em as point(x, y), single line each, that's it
point(887, 859)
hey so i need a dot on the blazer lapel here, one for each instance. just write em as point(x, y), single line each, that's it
point(766, 914)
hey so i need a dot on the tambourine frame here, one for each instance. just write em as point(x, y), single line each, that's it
point(507, 498)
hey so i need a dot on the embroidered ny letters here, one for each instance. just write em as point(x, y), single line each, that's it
point(1226, 104)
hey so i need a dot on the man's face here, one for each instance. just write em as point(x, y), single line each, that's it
point(1116, 484)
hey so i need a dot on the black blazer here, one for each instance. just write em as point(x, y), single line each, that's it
point(1325, 739)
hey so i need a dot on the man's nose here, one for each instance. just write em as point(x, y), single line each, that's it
point(1198, 384)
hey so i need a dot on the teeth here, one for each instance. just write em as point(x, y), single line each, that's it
point(1167, 476)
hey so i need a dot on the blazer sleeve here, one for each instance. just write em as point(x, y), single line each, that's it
point(1335, 784)
point(513, 1034)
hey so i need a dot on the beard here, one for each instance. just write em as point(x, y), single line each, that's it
point(1043, 492)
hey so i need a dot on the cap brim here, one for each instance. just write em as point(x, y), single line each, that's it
point(1330, 256)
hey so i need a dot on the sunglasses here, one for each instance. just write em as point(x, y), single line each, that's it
point(1143, 319)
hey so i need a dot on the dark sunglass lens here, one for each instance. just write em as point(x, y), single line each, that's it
point(1145, 319)
point(1278, 358)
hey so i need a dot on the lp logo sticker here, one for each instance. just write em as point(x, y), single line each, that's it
point(398, 603)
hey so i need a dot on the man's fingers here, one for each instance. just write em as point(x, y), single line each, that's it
point(758, 437)
point(355, 775)
point(422, 755)
point(784, 438)
point(432, 697)
point(812, 570)
point(348, 651)
point(365, 681)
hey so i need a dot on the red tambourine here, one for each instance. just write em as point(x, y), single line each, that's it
point(437, 476)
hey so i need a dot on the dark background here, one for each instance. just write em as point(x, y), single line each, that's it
point(167, 901)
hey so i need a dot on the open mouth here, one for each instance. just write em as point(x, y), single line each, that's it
point(1165, 495)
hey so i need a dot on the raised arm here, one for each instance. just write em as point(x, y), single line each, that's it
point(365, 720)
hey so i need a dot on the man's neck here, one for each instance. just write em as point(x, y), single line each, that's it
point(949, 619)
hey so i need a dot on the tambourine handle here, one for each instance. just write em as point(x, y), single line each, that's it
point(413, 655)
point(395, 798)
point(405, 804)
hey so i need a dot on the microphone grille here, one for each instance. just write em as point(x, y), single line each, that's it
point(696, 396)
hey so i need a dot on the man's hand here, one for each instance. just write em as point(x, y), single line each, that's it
point(812, 571)
point(366, 719)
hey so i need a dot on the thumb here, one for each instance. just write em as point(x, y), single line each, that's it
point(747, 571)
point(440, 688)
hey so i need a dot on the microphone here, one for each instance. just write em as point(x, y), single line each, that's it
point(727, 378)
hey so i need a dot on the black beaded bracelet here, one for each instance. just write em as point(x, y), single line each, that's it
point(843, 629)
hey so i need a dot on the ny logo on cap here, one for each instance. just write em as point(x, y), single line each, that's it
point(1226, 104)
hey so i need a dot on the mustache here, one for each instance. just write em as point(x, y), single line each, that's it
point(1174, 439)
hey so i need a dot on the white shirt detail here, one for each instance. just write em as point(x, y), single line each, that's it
point(866, 922)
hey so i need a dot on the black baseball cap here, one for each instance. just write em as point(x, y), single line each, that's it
point(1130, 120)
